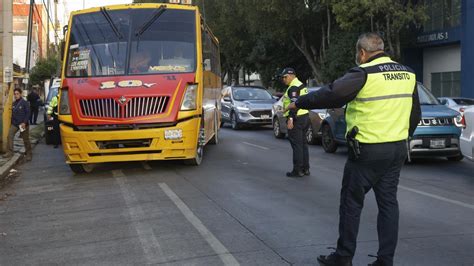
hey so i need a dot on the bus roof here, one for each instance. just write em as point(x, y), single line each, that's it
point(134, 6)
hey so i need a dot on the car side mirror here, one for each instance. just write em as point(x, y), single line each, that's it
point(226, 99)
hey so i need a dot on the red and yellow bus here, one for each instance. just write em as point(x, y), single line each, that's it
point(139, 82)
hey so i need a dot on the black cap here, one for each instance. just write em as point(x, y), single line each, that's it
point(288, 71)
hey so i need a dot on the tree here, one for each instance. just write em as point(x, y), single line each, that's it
point(45, 68)
point(389, 17)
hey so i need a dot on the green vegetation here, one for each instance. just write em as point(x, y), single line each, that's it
point(45, 68)
point(316, 37)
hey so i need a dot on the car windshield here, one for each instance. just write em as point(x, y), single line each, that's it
point(426, 98)
point(464, 101)
point(245, 94)
point(126, 44)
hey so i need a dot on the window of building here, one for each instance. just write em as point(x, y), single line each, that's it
point(446, 84)
point(442, 14)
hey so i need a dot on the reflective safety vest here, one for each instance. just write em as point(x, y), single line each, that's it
point(53, 107)
point(287, 99)
point(382, 108)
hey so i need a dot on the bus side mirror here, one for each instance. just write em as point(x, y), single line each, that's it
point(207, 64)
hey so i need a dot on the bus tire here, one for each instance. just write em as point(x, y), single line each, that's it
point(215, 139)
point(196, 161)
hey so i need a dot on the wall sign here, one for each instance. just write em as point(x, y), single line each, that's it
point(433, 37)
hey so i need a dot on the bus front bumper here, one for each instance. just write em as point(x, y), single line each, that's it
point(129, 145)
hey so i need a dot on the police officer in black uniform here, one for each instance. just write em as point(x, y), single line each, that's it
point(382, 111)
point(297, 123)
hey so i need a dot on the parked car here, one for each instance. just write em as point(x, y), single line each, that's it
point(467, 137)
point(246, 105)
point(457, 103)
point(436, 135)
point(316, 116)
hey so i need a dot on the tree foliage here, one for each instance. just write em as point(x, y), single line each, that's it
point(45, 68)
point(316, 37)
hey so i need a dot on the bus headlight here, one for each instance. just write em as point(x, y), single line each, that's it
point(64, 102)
point(189, 99)
point(173, 134)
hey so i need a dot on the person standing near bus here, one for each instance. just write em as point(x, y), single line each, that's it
point(53, 117)
point(19, 122)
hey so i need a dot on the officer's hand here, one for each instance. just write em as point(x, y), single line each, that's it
point(49, 117)
point(291, 106)
point(289, 124)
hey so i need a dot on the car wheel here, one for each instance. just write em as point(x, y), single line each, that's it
point(235, 124)
point(328, 142)
point(277, 129)
point(456, 158)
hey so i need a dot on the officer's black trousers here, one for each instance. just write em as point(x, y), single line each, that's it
point(297, 137)
point(377, 168)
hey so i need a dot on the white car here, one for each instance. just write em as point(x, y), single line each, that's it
point(457, 103)
point(467, 136)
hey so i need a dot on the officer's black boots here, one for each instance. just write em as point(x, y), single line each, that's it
point(295, 174)
point(334, 260)
point(306, 172)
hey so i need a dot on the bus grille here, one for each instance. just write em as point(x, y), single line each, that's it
point(134, 107)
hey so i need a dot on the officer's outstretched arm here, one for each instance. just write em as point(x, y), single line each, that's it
point(336, 94)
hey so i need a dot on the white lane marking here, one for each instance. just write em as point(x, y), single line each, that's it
point(150, 245)
point(459, 203)
point(218, 247)
point(255, 145)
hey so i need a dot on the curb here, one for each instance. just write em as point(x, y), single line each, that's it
point(15, 159)
point(5, 169)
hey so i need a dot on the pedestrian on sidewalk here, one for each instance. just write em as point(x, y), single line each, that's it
point(297, 123)
point(35, 101)
point(19, 122)
point(382, 111)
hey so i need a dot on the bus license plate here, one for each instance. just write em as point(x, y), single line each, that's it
point(264, 116)
point(437, 144)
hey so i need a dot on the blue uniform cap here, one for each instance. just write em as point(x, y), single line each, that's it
point(288, 71)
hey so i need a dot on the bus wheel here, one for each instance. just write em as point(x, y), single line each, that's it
point(196, 161)
point(81, 168)
point(215, 139)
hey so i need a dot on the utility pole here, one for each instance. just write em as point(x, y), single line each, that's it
point(6, 66)
point(28, 41)
point(47, 20)
point(56, 22)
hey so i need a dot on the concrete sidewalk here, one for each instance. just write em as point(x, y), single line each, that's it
point(36, 133)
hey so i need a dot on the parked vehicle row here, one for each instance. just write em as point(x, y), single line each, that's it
point(438, 134)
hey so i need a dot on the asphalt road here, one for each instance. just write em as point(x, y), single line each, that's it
point(236, 208)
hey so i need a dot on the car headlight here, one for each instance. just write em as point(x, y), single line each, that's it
point(189, 99)
point(64, 102)
point(173, 134)
point(322, 115)
point(459, 121)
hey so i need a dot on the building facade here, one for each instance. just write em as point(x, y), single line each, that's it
point(443, 57)
point(39, 46)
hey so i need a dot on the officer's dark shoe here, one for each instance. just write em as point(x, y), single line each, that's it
point(306, 172)
point(334, 260)
point(55, 146)
point(295, 174)
point(376, 263)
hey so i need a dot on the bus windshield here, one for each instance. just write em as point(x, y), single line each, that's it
point(127, 44)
